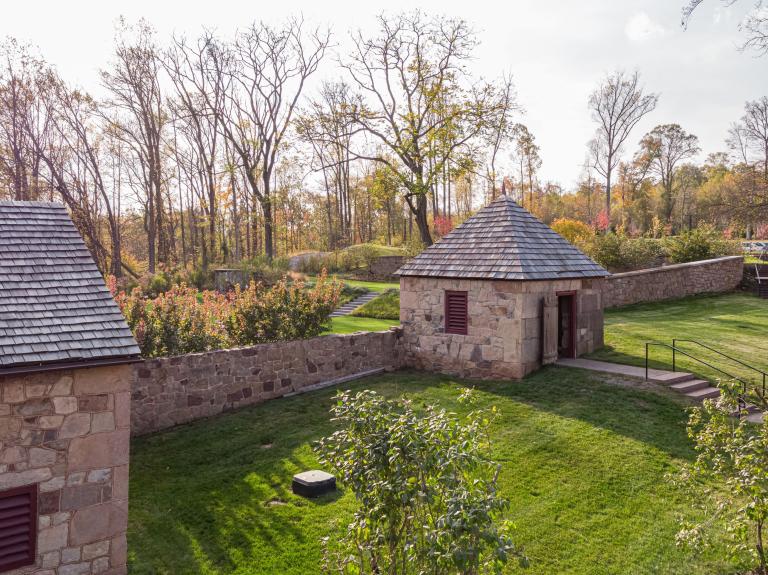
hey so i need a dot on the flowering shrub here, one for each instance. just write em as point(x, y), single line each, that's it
point(183, 320)
point(700, 243)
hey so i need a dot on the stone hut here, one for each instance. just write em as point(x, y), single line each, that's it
point(499, 296)
point(65, 383)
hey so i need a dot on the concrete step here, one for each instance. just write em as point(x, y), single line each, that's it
point(688, 386)
point(704, 393)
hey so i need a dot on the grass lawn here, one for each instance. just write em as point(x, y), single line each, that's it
point(351, 324)
point(583, 463)
point(735, 323)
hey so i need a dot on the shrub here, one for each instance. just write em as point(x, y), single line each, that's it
point(733, 453)
point(427, 491)
point(183, 320)
point(617, 252)
point(574, 231)
point(700, 243)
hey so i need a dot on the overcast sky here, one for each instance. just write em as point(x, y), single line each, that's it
point(557, 51)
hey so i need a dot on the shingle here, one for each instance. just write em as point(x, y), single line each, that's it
point(503, 241)
point(54, 305)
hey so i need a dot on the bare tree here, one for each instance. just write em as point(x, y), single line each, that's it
point(138, 117)
point(501, 130)
point(617, 106)
point(529, 162)
point(265, 73)
point(755, 25)
point(668, 145)
point(71, 145)
point(199, 95)
point(415, 102)
point(19, 163)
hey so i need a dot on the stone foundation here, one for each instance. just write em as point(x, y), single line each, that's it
point(174, 390)
point(68, 432)
point(504, 338)
point(675, 281)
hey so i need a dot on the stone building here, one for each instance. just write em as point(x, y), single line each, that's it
point(499, 296)
point(65, 383)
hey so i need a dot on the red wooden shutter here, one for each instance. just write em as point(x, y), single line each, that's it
point(18, 527)
point(456, 319)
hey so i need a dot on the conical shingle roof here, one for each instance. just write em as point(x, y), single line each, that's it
point(503, 241)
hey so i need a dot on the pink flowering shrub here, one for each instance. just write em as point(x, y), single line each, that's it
point(183, 320)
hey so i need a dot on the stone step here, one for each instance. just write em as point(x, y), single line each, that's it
point(351, 306)
point(704, 393)
point(655, 375)
point(688, 386)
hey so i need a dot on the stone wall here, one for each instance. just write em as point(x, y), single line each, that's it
point(504, 338)
point(382, 269)
point(69, 432)
point(674, 281)
point(174, 390)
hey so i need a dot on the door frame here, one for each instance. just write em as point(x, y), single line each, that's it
point(572, 322)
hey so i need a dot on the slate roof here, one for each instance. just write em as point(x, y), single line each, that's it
point(503, 241)
point(54, 305)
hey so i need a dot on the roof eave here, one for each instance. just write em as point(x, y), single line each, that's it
point(68, 364)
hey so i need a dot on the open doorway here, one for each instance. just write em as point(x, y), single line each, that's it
point(566, 324)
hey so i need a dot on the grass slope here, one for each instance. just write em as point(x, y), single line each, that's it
point(734, 323)
point(386, 306)
point(583, 463)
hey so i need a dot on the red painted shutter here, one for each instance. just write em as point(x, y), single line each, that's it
point(456, 320)
point(18, 527)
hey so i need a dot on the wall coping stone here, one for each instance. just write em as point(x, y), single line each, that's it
point(672, 267)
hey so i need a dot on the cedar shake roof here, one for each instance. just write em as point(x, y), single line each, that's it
point(503, 242)
point(54, 305)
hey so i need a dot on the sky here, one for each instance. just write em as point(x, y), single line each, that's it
point(556, 50)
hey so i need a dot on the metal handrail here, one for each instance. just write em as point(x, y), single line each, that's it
point(717, 351)
point(650, 343)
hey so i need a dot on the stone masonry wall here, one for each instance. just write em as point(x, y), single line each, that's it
point(504, 337)
point(675, 281)
point(69, 433)
point(174, 390)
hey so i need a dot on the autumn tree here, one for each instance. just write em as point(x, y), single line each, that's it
point(416, 102)
point(668, 145)
point(617, 105)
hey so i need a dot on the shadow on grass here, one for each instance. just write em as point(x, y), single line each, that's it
point(214, 496)
point(653, 418)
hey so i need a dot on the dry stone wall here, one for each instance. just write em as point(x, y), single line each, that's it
point(174, 390)
point(675, 281)
point(68, 432)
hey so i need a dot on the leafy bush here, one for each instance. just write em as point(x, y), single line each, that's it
point(734, 453)
point(426, 489)
point(183, 320)
point(618, 252)
point(386, 306)
point(701, 243)
point(574, 231)
point(281, 313)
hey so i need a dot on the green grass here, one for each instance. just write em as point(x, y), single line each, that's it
point(351, 324)
point(583, 464)
point(735, 323)
point(386, 306)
